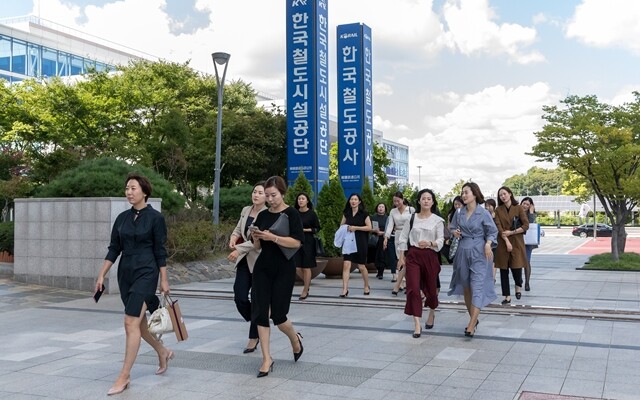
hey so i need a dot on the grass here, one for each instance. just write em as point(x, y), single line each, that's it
point(627, 262)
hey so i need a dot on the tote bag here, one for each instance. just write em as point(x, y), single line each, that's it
point(532, 236)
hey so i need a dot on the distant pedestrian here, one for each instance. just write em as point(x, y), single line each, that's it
point(138, 236)
point(306, 257)
point(398, 216)
point(512, 222)
point(377, 236)
point(472, 275)
point(530, 210)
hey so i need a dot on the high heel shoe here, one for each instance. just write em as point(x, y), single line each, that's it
point(162, 370)
point(430, 326)
point(115, 390)
point(416, 334)
point(345, 294)
point(474, 328)
point(518, 295)
point(394, 292)
point(368, 292)
point(262, 374)
point(505, 302)
point(303, 297)
point(527, 287)
point(251, 349)
point(297, 355)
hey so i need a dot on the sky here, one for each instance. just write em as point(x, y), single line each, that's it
point(461, 82)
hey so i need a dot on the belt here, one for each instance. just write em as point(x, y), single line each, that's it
point(131, 252)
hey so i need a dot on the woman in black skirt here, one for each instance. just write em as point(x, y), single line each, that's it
point(358, 221)
point(306, 258)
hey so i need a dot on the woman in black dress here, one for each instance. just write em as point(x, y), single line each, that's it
point(306, 258)
point(380, 258)
point(273, 273)
point(138, 235)
point(358, 221)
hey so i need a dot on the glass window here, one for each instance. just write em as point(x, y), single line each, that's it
point(64, 60)
point(76, 65)
point(33, 61)
point(19, 58)
point(49, 62)
point(5, 53)
point(89, 65)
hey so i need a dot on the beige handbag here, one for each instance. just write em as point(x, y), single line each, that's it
point(160, 321)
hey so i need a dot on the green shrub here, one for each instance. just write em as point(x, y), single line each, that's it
point(191, 236)
point(232, 200)
point(331, 201)
point(105, 177)
point(6, 237)
point(367, 197)
point(300, 185)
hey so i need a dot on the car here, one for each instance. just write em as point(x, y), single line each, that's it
point(586, 230)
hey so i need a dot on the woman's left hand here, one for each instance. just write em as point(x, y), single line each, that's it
point(487, 251)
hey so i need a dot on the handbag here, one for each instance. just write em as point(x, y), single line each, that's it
point(160, 321)
point(373, 240)
point(532, 236)
point(319, 247)
point(453, 247)
point(177, 321)
point(281, 228)
point(516, 223)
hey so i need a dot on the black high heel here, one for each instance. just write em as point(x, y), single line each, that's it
point(369, 292)
point(474, 328)
point(345, 295)
point(297, 355)
point(262, 374)
point(430, 326)
point(518, 295)
point(251, 349)
point(303, 297)
point(505, 302)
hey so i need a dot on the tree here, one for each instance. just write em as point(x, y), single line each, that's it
point(380, 162)
point(537, 181)
point(600, 143)
point(455, 190)
point(367, 197)
point(300, 185)
point(331, 201)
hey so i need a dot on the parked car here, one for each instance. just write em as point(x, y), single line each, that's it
point(586, 230)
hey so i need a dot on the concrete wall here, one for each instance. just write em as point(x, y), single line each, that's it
point(62, 242)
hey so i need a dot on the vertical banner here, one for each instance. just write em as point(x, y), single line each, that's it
point(355, 107)
point(307, 92)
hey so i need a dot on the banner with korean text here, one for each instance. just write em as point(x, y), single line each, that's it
point(355, 106)
point(308, 92)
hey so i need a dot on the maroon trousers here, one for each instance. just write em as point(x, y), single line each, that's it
point(422, 275)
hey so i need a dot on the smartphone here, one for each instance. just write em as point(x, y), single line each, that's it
point(96, 295)
point(253, 228)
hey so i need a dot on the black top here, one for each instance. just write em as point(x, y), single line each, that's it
point(307, 257)
point(271, 253)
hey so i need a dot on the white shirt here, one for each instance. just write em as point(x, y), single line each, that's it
point(397, 220)
point(430, 229)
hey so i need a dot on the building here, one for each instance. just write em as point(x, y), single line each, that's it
point(32, 47)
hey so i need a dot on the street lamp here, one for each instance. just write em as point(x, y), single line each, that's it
point(419, 177)
point(218, 59)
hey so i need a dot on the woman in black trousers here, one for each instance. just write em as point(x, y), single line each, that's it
point(274, 273)
point(244, 255)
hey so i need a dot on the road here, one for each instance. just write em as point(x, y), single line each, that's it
point(561, 241)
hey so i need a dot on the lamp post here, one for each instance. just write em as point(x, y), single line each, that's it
point(419, 177)
point(218, 59)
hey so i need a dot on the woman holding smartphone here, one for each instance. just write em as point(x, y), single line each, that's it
point(138, 236)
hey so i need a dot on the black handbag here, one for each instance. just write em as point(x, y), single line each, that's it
point(373, 240)
point(516, 223)
point(281, 228)
point(319, 247)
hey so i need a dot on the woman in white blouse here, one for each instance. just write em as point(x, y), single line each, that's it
point(398, 216)
point(422, 237)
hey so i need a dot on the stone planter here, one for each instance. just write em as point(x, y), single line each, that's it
point(321, 263)
point(6, 257)
point(333, 270)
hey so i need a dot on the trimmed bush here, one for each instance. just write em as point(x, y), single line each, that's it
point(331, 201)
point(232, 200)
point(105, 177)
point(300, 185)
point(6, 237)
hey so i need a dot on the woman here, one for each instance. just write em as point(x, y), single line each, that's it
point(421, 238)
point(273, 273)
point(398, 216)
point(490, 205)
point(244, 254)
point(356, 217)
point(529, 209)
point(306, 258)
point(379, 219)
point(139, 235)
point(512, 222)
point(471, 276)
point(457, 203)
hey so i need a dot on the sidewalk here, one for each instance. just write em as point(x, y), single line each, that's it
point(574, 334)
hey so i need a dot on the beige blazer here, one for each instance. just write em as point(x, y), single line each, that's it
point(246, 248)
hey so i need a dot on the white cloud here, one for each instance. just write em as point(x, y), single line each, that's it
point(607, 23)
point(624, 95)
point(484, 137)
point(387, 126)
point(382, 89)
point(473, 31)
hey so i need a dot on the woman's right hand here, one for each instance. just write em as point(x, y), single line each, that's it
point(233, 256)
point(99, 283)
point(232, 242)
point(384, 244)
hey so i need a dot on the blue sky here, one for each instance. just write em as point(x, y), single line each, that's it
point(462, 82)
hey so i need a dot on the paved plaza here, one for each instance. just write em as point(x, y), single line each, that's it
point(574, 334)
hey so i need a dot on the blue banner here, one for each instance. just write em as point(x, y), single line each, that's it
point(307, 92)
point(355, 107)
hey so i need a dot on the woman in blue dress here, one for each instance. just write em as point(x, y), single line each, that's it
point(472, 265)
point(138, 237)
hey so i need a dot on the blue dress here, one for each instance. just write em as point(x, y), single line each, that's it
point(470, 266)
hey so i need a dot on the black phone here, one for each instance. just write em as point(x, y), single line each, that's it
point(96, 295)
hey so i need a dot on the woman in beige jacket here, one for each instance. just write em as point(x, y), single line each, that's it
point(512, 222)
point(244, 254)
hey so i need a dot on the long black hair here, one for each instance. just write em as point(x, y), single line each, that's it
point(434, 206)
point(347, 207)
